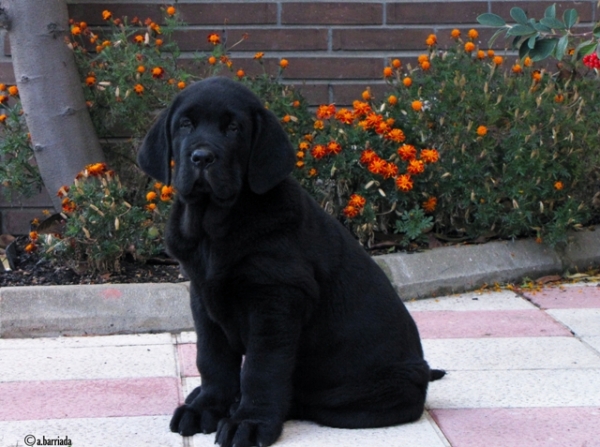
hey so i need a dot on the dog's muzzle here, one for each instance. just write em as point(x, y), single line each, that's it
point(201, 158)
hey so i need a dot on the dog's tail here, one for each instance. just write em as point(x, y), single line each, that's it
point(436, 374)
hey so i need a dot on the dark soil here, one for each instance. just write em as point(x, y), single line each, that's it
point(30, 270)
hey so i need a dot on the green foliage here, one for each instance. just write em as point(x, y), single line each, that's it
point(101, 226)
point(550, 36)
point(413, 224)
point(18, 173)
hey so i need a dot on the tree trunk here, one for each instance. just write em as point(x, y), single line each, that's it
point(62, 133)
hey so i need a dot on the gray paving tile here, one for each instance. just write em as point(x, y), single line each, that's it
point(503, 300)
point(583, 322)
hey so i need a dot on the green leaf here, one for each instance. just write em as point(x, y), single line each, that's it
point(584, 48)
point(531, 42)
point(552, 23)
point(495, 36)
point(524, 50)
point(542, 28)
point(520, 30)
point(550, 12)
point(519, 15)
point(596, 31)
point(489, 19)
point(561, 47)
point(543, 49)
point(570, 17)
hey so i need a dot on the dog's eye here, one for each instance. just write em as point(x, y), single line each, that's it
point(185, 123)
point(233, 127)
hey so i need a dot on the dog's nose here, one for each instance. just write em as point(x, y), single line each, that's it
point(202, 157)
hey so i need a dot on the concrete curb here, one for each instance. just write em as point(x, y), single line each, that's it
point(41, 311)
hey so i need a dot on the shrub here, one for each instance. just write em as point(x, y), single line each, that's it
point(485, 148)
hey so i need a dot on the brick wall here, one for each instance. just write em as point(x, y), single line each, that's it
point(335, 49)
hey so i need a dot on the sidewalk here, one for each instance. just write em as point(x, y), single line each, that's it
point(522, 372)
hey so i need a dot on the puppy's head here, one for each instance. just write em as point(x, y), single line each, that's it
point(221, 139)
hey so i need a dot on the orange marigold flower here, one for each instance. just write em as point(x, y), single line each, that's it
point(240, 73)
point(390, 170)
point(138, 88)
point(3, 118)
point(296, 104)
point(325, 112)
point(13, 90)
point(155, 27)
point(455, 33)
point(392, 100)
point(482, 131)
point(286, 119)
point(319, 125)
point(481, 54)
point(469, 47)
point(140, 69)
point(377, 166)
point(395, 135)
point(396, 63)
point(415, 167)
point(491, 53)
point(30, 247)
point(407, 81)
point(367, 156)
point(158, 72)
point(166, 193)
point(517, 69)
point(345, 116)
point(212, 60)
point(498, 60)
point(63, 191)
point(558, 185)
point(473, 34)
point(300, 154)
point(138, 39)
point(75, 30)
point(422, 58)
point(388, 72)
point(158, 42)
point(425, 65)
point(318, 151)
point(33, 235)
point(299, 164)
point(334, 148)
point(350, 212)
point(106, 14)
point(68, 206)
point(181, 85)
point(303, 146)
point(431, 40)
point(417, 106)
point(559, 98)
point(407, 152)
point(2, 87)
point(90, 81)
point(171, 10)
point(283, 63)
point(404, 182)
point(430, 204)
point(357, 201)
point(312, 172)
point(106, 43)
point(214, 38)
point(527, 62)
point(361, 108)
point(366, 95)
point(430, 155)
point(150, 207)
point(373, 120)
point(536, 75)
point(259, 55)
point(151, 196)
point(96, 169)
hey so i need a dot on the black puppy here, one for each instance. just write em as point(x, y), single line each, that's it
point(277, 280)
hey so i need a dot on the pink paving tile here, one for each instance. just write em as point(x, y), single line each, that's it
point(520, 427)
point(470, 324)
point(187, 360)
point(566, 297)
point(58, 399)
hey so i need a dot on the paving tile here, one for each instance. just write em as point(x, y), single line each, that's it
point(510, 353)
point(60, 399)
point(594, 342)
point(86, 342)
point(566, 297)
point(504, 300)
point(144, 431)
point(187, 337)
point(583, 322)
point(189, 384)
point(516, 388)
point(505, 323)
point(520, 427)
point(186, 354)
point(302, 434)
point(100, 362)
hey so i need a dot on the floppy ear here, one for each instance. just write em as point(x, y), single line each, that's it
point(272, 155)
point(154, 156)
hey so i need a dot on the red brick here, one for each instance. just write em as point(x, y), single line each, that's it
point(7, 75)
point(380, 39)
point(435, 12)
point(258, 39)
point(345, 94)
point(192, 14)
point(334, 68)
point(319, 13)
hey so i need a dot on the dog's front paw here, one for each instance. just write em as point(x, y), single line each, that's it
point(247, 433)
point(187, 421)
